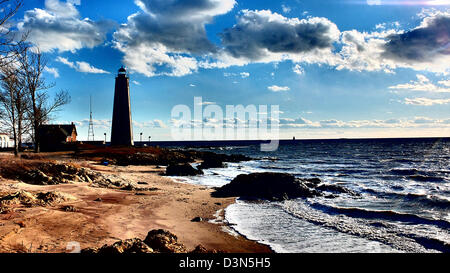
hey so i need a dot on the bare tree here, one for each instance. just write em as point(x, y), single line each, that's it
point(8, 39)
point(32, 65)
point(13, 103)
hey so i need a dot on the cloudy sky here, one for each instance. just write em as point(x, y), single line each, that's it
point(342, 68)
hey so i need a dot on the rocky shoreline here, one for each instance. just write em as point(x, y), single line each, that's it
point(115, 204)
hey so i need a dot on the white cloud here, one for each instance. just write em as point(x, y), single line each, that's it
point(297, 69)
point(417, 122)
point(164, 34)
point(155, 43)
point(149, 124)
point(83, 67)
point(136, 82)
point(373, 2)
point(426, 101)
point(53, 71)
point(276, 88)
point(245, 75)
point(445, 83)
point(286, 9)
point(59, 27)
point(422, 84)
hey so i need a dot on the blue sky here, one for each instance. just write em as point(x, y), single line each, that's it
point(343, 68)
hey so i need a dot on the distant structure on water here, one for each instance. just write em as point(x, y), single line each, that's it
point(122, 130)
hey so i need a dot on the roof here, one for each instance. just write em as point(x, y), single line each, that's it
point(66, 129)
point(122, 70)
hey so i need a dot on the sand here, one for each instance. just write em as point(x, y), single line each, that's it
point(119, 215)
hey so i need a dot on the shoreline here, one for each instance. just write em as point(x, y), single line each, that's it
point(120, 215)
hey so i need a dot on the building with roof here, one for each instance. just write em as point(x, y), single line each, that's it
point(56, 137)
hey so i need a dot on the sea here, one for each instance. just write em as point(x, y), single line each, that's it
point(403, 203)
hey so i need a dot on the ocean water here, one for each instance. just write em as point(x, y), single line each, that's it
point(404, 202)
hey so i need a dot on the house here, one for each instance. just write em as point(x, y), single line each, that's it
point(57, 137)
point(5, 141)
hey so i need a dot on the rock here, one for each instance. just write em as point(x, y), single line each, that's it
point(98, 200)
point(142, 183)
point(121, 247)
point(163, 241)
point(197, 219)
point(128, 187)
point(182, 170)
point(210, 163)
point(271, 186)
point(203, 250)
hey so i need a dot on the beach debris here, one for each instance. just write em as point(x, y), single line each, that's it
point(197, 219)
point(182, 170)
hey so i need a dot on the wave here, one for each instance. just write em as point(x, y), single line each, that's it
point(403, 238)
point(403, 171)
point(383, 215)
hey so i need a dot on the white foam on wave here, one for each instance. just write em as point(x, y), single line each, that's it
point(268, 224)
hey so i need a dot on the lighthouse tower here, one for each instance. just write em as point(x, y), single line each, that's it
point(122, 129)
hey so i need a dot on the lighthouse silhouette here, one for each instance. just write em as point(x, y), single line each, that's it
point(122, 129)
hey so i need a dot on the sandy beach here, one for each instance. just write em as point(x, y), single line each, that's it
point(103, 215)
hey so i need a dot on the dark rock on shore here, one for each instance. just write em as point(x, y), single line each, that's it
point(164, 241)
point(157, 241)
point(197, 219)
point(271, 186)
point(212, 163)
point(182, 170)
point(129, 246)
point(278, 186)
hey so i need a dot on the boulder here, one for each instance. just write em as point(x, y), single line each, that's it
point(203, 250)
point(211, 163)
point(270, 186)
point(163, 241)
point(121, 247)
point(182, 170)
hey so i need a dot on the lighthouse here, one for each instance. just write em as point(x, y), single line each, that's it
point(122, 130)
